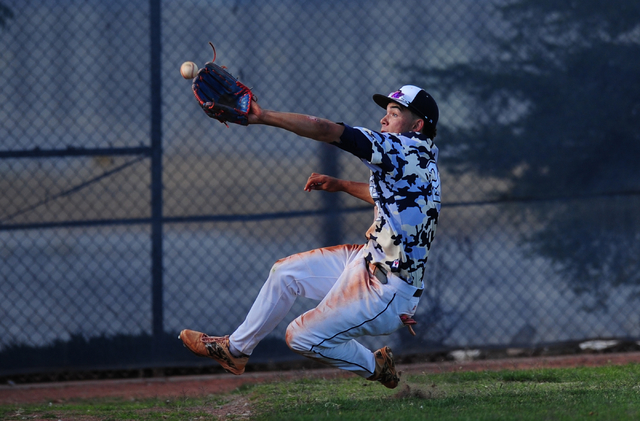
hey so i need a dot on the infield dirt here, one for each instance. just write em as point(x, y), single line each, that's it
point(204, 385)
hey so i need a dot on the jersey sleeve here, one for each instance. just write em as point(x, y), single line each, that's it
point(355, 142)
point(368, 145)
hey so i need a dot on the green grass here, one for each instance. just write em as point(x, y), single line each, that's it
point(602, 393)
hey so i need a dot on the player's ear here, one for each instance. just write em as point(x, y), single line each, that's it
point(418, 125)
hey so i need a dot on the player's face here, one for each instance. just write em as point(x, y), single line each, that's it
point(397, 120)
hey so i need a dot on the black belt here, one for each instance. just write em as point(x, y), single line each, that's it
point(381, 275)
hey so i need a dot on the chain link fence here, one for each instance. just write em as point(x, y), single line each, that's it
point(127, 215)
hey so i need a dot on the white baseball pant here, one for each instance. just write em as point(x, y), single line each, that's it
point(353, 303)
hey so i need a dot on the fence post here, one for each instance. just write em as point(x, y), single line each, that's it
point(156, 178)
point(331, 222)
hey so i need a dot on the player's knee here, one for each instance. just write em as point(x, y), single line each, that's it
point(282, 277)
point(295, 341)
point(282, 265)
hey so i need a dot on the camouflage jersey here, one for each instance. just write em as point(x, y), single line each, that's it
point(405, 186)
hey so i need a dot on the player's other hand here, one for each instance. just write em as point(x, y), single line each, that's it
point(322, 182)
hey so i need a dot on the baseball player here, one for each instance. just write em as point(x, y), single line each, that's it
point(369, 289)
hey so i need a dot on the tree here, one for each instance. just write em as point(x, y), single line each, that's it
point(555, 112)
point(5, 14)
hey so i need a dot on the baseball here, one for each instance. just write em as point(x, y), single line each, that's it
point(188, 70)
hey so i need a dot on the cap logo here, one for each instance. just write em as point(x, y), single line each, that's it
point(396, 95)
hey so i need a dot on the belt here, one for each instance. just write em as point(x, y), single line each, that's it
point(381, 275)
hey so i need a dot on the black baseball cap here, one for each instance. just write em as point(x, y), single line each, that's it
point(414, 98)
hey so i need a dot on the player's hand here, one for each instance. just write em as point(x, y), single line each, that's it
point(255, 113)
point(323, 182)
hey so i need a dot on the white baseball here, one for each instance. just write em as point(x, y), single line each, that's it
point(188, 70)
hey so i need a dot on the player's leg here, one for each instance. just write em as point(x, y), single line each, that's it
point(311, 274)
point(357, 305)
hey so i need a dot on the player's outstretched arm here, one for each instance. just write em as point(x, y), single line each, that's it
point(308, 126)
point(332, 184)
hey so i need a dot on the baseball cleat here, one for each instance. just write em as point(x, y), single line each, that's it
point(385, 368)
point(214, 347)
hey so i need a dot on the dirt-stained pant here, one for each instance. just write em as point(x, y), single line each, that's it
point(353, 303)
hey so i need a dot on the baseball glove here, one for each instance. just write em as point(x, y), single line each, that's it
point(221, 95)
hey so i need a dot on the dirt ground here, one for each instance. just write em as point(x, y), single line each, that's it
point(205, 385)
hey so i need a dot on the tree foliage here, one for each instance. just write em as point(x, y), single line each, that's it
point(5, 14)
point(555, 111)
